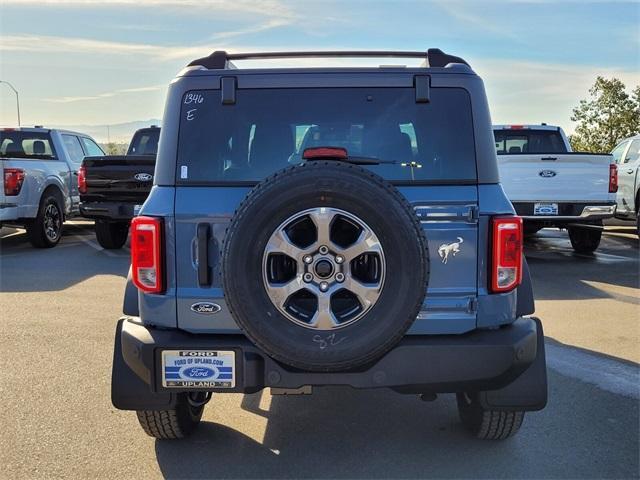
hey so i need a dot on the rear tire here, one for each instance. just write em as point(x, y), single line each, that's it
point(111, 235)
point(487, 424)
point(585, 240)
point(45, 231)
point(179, 422)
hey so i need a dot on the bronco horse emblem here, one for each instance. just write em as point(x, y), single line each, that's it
point(447, 249)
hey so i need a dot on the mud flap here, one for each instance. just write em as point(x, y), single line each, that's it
point(528, 392)
point(128, 391)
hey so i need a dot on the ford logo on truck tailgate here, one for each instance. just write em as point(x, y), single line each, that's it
point(547, 173)
point(143, 177)
point(205, 308)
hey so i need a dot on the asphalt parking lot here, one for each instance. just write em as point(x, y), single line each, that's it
point(58, 310)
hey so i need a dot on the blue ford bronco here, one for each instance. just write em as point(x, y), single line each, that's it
point(328, 226)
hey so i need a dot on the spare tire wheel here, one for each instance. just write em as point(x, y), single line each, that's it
point(325, 266)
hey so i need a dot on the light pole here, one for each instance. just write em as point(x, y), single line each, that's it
point(17, 98)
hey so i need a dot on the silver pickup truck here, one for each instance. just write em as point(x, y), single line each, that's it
point(40, 191)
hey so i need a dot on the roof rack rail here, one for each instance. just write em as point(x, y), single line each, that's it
point(434, 57)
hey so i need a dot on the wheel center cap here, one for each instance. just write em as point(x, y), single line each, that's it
point(324, 268)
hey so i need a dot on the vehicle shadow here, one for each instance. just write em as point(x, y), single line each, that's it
point(558, 273)
point(27, 269)
point(344, 433)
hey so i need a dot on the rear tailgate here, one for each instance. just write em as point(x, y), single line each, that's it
point(118, 178)
point(556, 177)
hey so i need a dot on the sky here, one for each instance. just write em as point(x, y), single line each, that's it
point(106, 62)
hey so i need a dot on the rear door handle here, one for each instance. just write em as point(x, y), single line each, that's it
point(547, 159)
point(630, 170)
point(202, 245)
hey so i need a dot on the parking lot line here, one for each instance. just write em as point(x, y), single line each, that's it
point(611, 375)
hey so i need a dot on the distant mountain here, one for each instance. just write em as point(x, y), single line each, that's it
point(117, 133)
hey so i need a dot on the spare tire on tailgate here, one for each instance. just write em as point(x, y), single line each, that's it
point(325, 266)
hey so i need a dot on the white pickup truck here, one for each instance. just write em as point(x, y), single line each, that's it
point(551, 186)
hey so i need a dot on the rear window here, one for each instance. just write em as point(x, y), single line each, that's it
point(20, 144)
point(145, 143)
point(529, 141)
point(268, 129)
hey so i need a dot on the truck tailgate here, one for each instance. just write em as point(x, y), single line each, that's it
point(118, 178)
point(563, 177)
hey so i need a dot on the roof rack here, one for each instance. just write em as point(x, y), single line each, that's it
point(434, 57)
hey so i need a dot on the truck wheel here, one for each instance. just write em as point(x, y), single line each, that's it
point(325, 266)
point(487, 424)
point(45, 231)
point(178, 422)
point(584, 240)
point(111, 235)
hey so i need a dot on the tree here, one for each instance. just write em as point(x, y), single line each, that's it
point(114, 148)
point(608, 116)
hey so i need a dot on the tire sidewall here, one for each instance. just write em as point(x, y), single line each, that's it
point(381, 327)
point(37, 229)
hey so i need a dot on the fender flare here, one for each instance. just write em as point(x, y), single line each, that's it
point(525, 303)
point(130, 304)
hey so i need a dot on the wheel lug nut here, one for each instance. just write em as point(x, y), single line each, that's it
point(340, 277)
point(323, 250)
point(339, 259)
point(324, 286)
point(307, 259)
point(307, 277)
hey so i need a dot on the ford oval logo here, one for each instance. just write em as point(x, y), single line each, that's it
point(547, 173)
point(198, 373)
point(206, 308)
point(143, 177)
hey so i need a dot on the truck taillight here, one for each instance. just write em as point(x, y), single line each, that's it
point(613, 178)
point(82, 179)
point(13, 180)
point(506, 265)
point(146, 254)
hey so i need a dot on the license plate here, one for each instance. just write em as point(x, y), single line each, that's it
point(136, 210)
point(198, 369)
point(545, 209)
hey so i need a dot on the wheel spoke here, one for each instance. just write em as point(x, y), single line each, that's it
point(280, 243)
point(322, 218)
point(280, 292)
point(366, 242)
point(312, 274)
point(324, 318)
point(366, 293)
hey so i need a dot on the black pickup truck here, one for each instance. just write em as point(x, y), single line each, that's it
point(113, 188)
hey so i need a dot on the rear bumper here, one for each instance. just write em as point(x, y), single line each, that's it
point(108, 211)
point(477, 361)
point(8, 212)
point(567, 212)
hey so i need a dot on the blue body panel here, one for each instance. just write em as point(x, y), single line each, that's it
point(457, 298)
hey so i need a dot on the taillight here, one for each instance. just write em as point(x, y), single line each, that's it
point(146, 254)
point(13, 180)
point(506, 266)
point(82, 179)
point(613, 178)
point(318, 153)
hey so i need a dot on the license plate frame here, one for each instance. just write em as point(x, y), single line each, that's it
point(197, 369)
point(547, 209)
